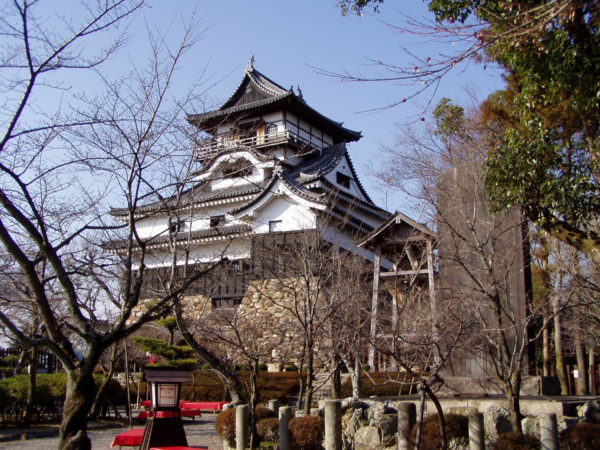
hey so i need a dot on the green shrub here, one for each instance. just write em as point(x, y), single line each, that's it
point(457, 428)
point(518, 441)
point(583, 436)
point(4, 399)
point(264, 413)
point(268, 429)
point(307, 432)
point(50, 392)
point(225, 426)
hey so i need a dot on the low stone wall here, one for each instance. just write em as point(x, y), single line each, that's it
point(373, 423)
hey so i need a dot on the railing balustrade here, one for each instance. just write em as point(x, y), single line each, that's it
point(211, 147)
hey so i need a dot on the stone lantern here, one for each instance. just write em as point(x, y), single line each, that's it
point(164, 426)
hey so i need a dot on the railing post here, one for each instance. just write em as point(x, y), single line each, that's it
point(548, 431)
point(241, 427)
point(476, 432)
point(285, 415)
point(407, 417)
point(333, 425)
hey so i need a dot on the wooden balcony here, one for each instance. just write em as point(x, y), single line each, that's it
point(210, 148)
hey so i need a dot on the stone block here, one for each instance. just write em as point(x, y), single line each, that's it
point(496, 421)
point(589, 412)
point(367, 438)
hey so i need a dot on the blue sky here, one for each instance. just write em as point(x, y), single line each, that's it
point(288, 38)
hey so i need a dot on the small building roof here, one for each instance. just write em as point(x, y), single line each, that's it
point(399, 227)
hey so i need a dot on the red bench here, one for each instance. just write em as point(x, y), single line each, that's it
point(178, 448)
point(129, 438)
point(202, 406)
point(184, 412)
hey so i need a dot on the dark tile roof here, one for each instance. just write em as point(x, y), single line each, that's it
point(200, 193)
point(187, 236)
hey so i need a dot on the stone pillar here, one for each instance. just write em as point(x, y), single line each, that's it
point(548, 432)
point(476, 432)
point(333, 425)
point(285, 415)
point(241, 427)
point(274, 405)
point(226, 445)
point(407, 417)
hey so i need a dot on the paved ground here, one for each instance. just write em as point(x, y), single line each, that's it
point(200, 432)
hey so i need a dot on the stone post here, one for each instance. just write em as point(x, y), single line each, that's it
point(285, 415)
point(548, 432)
point(407, 417)
point(274, 405)
point(241, 427)
point(476, 432)
point(333, 425)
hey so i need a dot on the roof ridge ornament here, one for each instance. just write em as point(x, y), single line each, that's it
point(250, 66)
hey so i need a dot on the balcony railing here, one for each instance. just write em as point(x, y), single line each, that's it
point(211, 148)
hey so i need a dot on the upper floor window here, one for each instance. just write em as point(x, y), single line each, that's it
point(272, 128)
point(343, 179)
point(275, 225)
point(176, 226)
point(215, 221)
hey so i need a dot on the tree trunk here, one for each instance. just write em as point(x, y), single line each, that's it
point(95, 412)
point(78, 402)
point(592, 370)
point(558, 347)
point(581, 380)
point(356, 382)
point(32, 367)
point(513, 394)
point(253, 403)
point(309, 380)
point(419, 436)
point(336, 383)
point(547, 359)
point(441, 418)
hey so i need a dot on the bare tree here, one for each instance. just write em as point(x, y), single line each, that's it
point(61, 170)
point(481, 254)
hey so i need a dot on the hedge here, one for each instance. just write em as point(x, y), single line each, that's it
point(49, 396)
point(207, 386)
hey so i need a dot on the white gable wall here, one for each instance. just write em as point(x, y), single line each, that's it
point(344, 167)
point(293, 216)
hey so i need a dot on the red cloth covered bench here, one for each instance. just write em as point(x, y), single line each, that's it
point(202, 406)
point(183, 412)
point(129, 438)
point(178, 448)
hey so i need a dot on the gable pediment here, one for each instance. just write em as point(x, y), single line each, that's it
point(248, 93)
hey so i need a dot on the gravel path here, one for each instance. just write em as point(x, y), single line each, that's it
point(199, 432)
